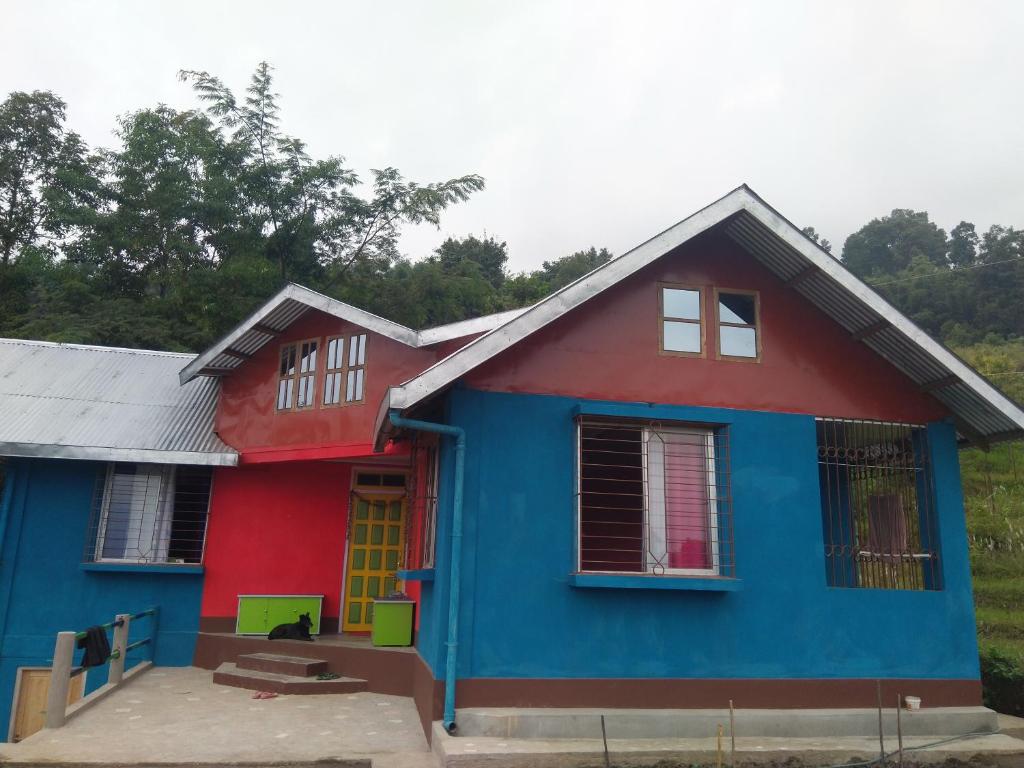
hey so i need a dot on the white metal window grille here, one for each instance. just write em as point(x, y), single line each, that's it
point(654, 499)
point(878, 506)
point(356, 369)
point(149, 513)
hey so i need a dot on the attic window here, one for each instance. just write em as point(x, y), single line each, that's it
point(345, 370)
point(681, 321)
point(738, 325)
point(296, 377)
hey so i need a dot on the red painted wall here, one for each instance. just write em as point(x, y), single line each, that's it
point(276, 529)
point(248, 421)
point(608, 350)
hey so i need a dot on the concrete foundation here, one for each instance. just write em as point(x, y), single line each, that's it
point(703, 723)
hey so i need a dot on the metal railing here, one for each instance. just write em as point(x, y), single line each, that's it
point(63, 668)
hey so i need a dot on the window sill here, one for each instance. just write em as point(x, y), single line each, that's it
point(419, 574)
point(184, 569)
point(639, 581)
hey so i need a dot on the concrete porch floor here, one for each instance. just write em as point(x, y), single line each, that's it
point(178, 716)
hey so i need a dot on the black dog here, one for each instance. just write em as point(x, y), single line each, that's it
point(297, 631)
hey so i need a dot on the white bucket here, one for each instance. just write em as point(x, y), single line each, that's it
point(913, 703)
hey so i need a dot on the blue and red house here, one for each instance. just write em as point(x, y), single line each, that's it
point(718, 467)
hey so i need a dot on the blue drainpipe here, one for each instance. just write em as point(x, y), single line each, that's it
point(455, 572)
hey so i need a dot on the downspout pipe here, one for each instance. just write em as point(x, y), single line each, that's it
point(455, 572)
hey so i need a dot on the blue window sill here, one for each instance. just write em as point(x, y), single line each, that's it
point(142, 568)
point(419, 574)
point(638, 581)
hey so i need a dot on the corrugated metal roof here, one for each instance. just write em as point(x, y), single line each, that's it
point(983, 413)
point(105, 403)
point(292, 302)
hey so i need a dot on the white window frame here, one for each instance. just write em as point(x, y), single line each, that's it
point(712, 509)
point(652, 565)
point(162, 508)
point(163, 517)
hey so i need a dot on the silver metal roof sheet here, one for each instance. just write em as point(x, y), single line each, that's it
point(105, 403)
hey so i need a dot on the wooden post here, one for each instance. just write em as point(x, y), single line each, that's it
point(120, 644)
point(60, 680)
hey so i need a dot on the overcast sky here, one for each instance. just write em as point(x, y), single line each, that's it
point(594, 123)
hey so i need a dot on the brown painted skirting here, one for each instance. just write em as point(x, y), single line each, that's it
point(428, 694)
point(328, 624)
point(710, 694)
point(404, 673)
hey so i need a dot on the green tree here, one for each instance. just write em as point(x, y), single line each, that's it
point(812, 234)
point(963, 245)
point(888, 245)
point(313, 220)
point(488, 254)
point(46, 176)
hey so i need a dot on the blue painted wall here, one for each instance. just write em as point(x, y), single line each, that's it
point(521, 618)
point(43, 588)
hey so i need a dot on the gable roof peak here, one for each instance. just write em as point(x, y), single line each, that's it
point(983, 413)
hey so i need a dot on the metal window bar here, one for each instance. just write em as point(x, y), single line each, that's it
point(148, 514)
point(878, 505)
point(654, 498)
point(420, 544)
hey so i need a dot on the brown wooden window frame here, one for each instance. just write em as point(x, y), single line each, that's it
point(338, 370)
point(719, 323)
point(296, 374)
point(358, 368)
point(700, 321)
point(343, 367)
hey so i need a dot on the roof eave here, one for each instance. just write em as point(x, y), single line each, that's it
point(106, 453)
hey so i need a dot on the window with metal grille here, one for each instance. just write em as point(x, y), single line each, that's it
point(878, 507)
point(654, 499)
point(423, 494)
point(149, 513)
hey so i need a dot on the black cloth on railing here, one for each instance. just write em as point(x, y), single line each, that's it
point(97, 648)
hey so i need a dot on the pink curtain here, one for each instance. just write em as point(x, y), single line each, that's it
point(686, 501)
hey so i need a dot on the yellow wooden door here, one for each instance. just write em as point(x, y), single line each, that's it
point(30, 709)
point(376, 538)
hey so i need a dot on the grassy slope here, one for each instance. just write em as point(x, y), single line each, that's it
point(993, 484)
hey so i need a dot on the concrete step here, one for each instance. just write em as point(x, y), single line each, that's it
point(281, 664)
point(228, 673)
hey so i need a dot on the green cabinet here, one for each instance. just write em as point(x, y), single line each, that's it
point(392, 622)
point(258, 614)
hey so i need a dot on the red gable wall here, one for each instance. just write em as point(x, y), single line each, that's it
point(608, 349)
point(246, 415)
